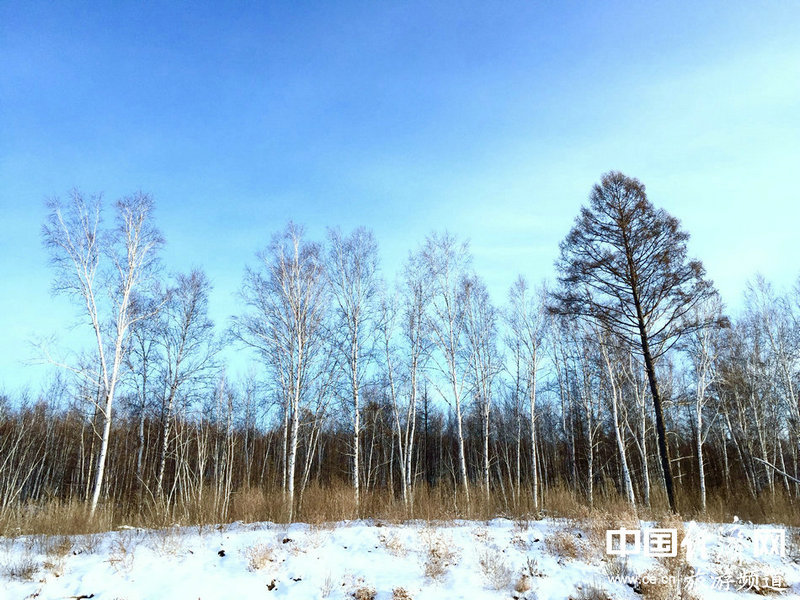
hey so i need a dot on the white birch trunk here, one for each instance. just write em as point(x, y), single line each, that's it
point(534, 462)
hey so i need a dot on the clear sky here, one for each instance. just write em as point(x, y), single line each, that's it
point(490, 119)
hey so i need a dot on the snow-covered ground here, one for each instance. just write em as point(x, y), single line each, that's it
point(546, 559)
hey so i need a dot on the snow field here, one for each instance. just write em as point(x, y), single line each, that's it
point(544, 560)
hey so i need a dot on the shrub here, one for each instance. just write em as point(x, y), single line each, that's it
point(523, 584)
point(532, 567)
point(364, 593)
point(495, 570)
point(23, 568)
point(393, 544)
point(561, 501)
point(53, 545)
point(563, 544)
point(121, 555)
point(602, 521)
point(663, 584)
point(258, 556)
point(87, 544)
point(616, 567)
point(520, 543)
point(438, 555)
point(167, 542)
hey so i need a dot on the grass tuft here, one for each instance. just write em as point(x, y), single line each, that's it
point(259, 556)
point(497, 573)
point(438, 555)
point(23, 568)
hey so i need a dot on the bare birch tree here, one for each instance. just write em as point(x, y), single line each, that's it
point(611, 363)
point(636, 383)
point(142, 361)
point(777, 320)
point(352, 269)
point(703, 349)
point(480, 328)
point(286, 298)
point(406, 350)
point(102, 269)
point(387, 326)
point(446, 262)
point(526, 323)
point(189, 351)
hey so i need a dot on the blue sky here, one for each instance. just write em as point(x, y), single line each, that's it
point(490, 119)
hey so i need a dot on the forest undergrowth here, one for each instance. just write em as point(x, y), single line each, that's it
point(335, 502)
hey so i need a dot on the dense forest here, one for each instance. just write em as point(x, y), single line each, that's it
point(626, 380)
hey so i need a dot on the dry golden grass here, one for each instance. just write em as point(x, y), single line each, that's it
point(254, 504)
point(393, 544)
point(399, 593)
point(766, 508)
point(167, 542)
point(57, 517)
point(497, 573)
point(54, 566)
point(438, 554)
point(520, 543)
point(330, 503)
point(23, 568)
point(674, 577)
point(617, 567)
point(561, 501)
point(86, 544)
point(601, 520)
point(364, 593)
point(56, 545)
point(121, 556)
point(659, 505)
point(793, 544)
point(531, 568)
point(563, 543)
point(322, 504)
point(522, 524)
point(55, 550)
point(654, 584)
point(674, 564)
point(259, 556)
point(661, 584)
point(481, 534)
point(524, 584)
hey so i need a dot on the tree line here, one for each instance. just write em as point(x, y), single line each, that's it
point(625, 377)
